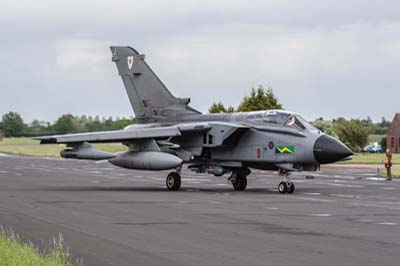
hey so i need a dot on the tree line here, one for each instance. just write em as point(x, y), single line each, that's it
point(353, 132)
point(259, 99)
point(13, 125)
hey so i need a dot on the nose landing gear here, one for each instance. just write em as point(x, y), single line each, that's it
point(286, 186)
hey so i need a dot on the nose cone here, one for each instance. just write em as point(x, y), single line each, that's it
point(329, 150)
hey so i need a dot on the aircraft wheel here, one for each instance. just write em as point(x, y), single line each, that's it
point(282, 187)
point(290, 188)
point(239, 182)
point(173, 181)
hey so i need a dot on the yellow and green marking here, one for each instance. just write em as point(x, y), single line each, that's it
point(284, 149)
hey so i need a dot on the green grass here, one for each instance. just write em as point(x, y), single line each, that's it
point(28, 146)
point(371, 158)
point(18, 141)
point(14, 252)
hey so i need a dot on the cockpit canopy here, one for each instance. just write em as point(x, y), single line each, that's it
point(280, 117)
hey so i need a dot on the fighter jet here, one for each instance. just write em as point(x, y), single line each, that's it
point(168, 133)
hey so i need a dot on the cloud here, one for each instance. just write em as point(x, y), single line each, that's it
point(80, 53)
point(322, 58)
point(319, 67)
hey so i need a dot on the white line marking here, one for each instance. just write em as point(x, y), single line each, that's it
point(366, 220)
point(315, 199)
point(321, 214)
point(375, 178)
point(156, 178)
point(342, 185)
point(343, 196)
point(387, 223)
point(94, 172)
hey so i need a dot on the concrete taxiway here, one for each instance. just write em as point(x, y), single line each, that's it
point(112, 216)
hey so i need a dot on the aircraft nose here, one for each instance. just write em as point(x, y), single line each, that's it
point(329, 150)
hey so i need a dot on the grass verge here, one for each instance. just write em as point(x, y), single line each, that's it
point(14, 252)
point(371, 158)
point(28, 146)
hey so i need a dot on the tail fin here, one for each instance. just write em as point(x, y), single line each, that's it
point(150, 99)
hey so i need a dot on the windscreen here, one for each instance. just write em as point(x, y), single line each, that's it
point(273, 117)
point(283, 118)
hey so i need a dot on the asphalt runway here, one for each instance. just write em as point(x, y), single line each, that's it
point(113, 216)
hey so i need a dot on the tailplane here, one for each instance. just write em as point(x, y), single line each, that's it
point(150, 99)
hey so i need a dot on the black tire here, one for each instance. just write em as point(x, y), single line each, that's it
point(173, 181)
point(290, 188)
point(239, 182)
point(282, 187)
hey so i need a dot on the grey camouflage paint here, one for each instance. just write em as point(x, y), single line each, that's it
point(228, 141)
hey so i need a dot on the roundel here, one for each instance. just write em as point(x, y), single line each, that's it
point(271, 145)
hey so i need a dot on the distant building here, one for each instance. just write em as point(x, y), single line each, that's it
point(393, 135)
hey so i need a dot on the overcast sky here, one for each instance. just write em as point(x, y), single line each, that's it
point(322, 58)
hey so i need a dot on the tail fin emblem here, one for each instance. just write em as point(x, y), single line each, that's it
point(130, 62)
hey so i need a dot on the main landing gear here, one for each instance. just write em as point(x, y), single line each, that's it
point(238, 179)
point(286, 186)
point(173, 180)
